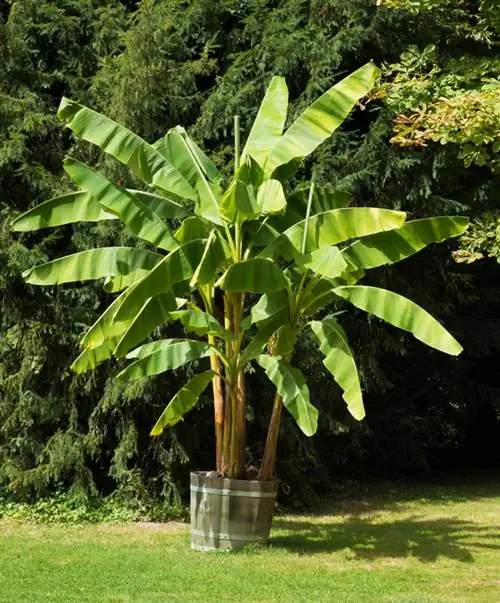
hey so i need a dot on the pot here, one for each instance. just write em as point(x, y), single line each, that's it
point(230, 513)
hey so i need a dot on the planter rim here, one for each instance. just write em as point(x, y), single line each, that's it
point(234, 480)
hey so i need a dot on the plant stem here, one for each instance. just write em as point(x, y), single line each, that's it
point(218, 411)
point(240, 418)
point(226, 442)
point(234, 411)
point(237, 226)
point(266, 472)
point(236, 143)
point(308, 215)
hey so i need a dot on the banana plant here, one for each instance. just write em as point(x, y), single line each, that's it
point(239, 234)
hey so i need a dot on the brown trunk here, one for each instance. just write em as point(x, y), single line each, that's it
point(240, 420)
point(218, 412)
point(226, 440)
point(269, 459)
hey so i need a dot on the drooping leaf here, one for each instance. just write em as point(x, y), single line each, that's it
point(292, 387)
point(166, 355)
point(326, 261)
point(177, 267)
point(91, 264)
point(396, 245)
point(100, 339)
point(403, 313)
point(331, 228)
point(269, 123)
point(65, 209)
point(89, 359)
point(183, 401)
point(321, 119)
point(339, 361)
point(143, 222)
point(258, 275)
point(79, 206)
point(152, 314)
point(145, 162)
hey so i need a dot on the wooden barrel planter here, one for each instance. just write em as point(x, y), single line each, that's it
point(230, 513)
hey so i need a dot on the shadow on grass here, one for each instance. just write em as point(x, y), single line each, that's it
point(424, 539)
point(355, 498)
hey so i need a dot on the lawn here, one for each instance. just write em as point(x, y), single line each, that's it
point(412, 543)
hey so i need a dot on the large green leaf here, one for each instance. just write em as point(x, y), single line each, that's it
point(190, 229)
point(321, 119)
point(325, 261)
point(101, 339)
point(143, 222)
point(182, 152)
point(238, 199)
point(81, 207)
point(177, 267)
point(107, 338)
point(241, 202)
point(396, 245)
point(262, 234)
point(145, 162)
point(90, 265)
point(269, 123)
point(198, 170)
point(258, 275)
point(152, 314)
point(284, 341)
point(324, 199)
point(200, 323)
point(214, 256)
point(261, 338)
point(183, 401)
point(115, 284)
point(292, 387)
point(333, 227)
point(268, 305)
point(65, 209)
point(105, 327)
point(89, 359)
point(167, 355)
point(322, 291)
point(270, 198)
point(403, 313)
point(339, 360)
point(164, 208)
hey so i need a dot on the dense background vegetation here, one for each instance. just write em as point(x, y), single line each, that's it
point(426, 142)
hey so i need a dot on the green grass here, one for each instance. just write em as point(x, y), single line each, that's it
point(412, 544)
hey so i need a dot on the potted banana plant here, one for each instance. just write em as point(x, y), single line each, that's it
point(240, 236)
